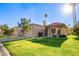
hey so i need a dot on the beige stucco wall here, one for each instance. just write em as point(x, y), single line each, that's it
point(63, 31)
point(15, 31)
point(29, 33)
point(0, 31)
point(35, 29)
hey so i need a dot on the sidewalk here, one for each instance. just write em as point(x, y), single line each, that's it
point(3, 51)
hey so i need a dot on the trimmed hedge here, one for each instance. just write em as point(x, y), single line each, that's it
point(60, 36)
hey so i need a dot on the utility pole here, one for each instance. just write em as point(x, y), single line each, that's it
point(74, 13)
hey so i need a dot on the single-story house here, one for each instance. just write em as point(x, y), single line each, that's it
point(1, 32)
point(49, 30)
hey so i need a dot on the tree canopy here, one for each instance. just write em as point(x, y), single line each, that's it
point(76, 29)
point(4, 27)
point(24, 24)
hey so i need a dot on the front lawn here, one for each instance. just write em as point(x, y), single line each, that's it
point(4, 36)
point(44, 47)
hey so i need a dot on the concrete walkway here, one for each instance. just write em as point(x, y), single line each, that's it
point(3, 51)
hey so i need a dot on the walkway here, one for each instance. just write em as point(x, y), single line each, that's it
point(12, 39)
point(3, 51)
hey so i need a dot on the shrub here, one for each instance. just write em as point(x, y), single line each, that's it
point(54, 35)
point(76, 29)
point(62, 36)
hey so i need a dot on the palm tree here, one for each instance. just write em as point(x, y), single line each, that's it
point(45, 21)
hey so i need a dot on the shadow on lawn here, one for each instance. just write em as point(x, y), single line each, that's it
point(54, 42)
point(77, 38)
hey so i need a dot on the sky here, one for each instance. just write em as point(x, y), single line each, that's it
point(11, 13)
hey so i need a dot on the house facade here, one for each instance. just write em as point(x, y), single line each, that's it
point(50, 30)
point(1, 32)
point(57, 29)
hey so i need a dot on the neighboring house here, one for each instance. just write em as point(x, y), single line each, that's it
point(36, 30)
point(0, 30)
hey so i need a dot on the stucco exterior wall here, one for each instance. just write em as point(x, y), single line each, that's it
point(38, 29)
point(35, 29)
point(15, 31)
point(63, 31)
point(0, 31)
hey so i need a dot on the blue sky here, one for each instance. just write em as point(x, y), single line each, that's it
point(11, 13)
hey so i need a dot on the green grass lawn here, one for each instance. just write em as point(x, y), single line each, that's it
point(44, 47)
point(4, 36)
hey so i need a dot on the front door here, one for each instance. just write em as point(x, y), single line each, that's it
point(40, 34)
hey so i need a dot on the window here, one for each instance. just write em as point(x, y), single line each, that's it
point(59, 31)
point(53, 30)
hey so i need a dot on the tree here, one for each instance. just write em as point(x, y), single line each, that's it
point(46, 15)
point(24, 24)
point(0, 26)
point(11, 31)
point(7, 32)
point(4, 27)
point(45, 21)
point(76, 29)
